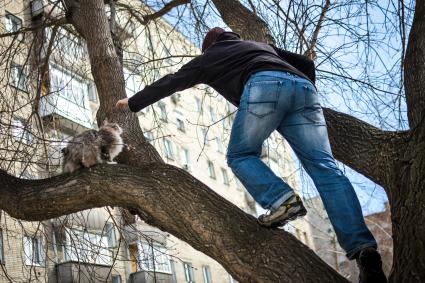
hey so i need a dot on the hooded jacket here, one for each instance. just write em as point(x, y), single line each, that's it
point(225, 66)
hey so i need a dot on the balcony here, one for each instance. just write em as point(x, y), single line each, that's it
point(69, 113)
point(68, 101)
point(73, 272)
point(150, 277)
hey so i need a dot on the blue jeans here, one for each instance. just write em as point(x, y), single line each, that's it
point(274, 100)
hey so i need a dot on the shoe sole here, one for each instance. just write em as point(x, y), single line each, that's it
point(282, 222)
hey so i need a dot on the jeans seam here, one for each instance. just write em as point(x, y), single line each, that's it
point(350, 254)
point(275, 102)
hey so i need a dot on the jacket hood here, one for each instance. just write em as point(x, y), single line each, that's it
point(228, 35)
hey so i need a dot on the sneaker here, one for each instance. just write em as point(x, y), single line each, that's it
point(287, 211)
point(370, 266)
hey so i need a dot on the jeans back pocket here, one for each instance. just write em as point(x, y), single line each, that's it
point(263, 97)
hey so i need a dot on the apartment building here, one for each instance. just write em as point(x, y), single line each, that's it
point(190, 129)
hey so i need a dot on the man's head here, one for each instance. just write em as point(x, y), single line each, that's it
point(211, 37)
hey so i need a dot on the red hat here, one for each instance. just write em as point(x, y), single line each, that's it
point(211, 37)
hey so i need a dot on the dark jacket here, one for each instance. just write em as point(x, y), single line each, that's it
point(225, 66)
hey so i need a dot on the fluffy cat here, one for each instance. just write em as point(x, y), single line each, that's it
point(93, 147)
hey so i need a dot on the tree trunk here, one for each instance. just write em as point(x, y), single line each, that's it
point(408, 214)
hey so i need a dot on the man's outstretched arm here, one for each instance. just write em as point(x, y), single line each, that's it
point(189, 75)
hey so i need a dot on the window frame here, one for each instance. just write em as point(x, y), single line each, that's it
point(10, 16)
point(29, 258)
point(198, 103)
point(168, 149)
point(213, 116)
point(76, 250)
point(185, 159)
point(204, 133)
point(206, 272)
point(163, 116)
point(180, 123)
point(155, 252)
point(225, 176)
point(211, 170)
point(21, 80)
point(21, 129)
point(188, 272)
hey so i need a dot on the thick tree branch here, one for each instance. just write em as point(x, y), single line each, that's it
point(365, 148)
point(186, 208)
point(414, 71)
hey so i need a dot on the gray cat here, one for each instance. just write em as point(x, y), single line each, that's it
point(93, 147)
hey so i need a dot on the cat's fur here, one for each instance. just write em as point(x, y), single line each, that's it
point(93, 147)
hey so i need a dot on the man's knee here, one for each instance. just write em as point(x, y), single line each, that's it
point(230, 160)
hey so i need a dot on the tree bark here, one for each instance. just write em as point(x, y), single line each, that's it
point(414, 71)
point(369, 150)
point(408, 179)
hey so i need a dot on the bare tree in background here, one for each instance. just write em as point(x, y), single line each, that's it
point(390, 153)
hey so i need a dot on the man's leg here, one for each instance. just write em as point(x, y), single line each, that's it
point(306, 132)
point(258, 115)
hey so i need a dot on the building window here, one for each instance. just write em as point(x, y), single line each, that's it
point(70, 86)
point(219, 145)
point(149, 136)
point(66, 40)
point(33, 249)
point(180, 122)
point(185, 159)
point(204, 133)
point(180, 125)
point(188, 272)
point(154, 258)
point(13, 24)
point(1, 247)
point(211, 170)
point(116, 279)
point(162, 111)
point(213, 118)
point(225, 176)
point(21, 132)
point(224, 122)
point(92, 92)
point(88, 247)
point(110, 233)
point(18, 77)
point(198, 104)
point(207, 274)
point(168, 147)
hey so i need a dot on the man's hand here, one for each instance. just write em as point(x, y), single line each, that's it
point(121, 104)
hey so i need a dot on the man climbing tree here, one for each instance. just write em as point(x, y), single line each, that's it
point(274, 90)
